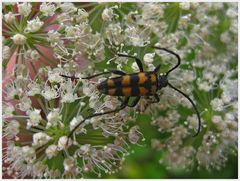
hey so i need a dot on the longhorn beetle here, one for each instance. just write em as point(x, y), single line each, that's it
point(136, 85)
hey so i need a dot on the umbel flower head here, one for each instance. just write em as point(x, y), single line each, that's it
point(38, 116)
point(25, 27)
point(214, 85)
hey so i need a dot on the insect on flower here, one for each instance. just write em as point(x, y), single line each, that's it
point(136, 85)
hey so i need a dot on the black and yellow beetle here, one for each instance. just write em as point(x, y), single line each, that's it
point(136, 85)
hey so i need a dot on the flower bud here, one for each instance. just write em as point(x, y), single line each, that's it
point(9, 17)
point(19, 39)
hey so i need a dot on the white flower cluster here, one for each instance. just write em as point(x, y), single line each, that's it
point(49, 119)
point(214, 84)
point(24, 30)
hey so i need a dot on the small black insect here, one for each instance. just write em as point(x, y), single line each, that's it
point(136, 85)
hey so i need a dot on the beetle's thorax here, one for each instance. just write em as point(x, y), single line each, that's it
point(162, 81)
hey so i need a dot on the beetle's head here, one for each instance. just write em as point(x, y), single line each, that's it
point(162, 81)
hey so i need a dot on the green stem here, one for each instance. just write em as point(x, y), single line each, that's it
point(66, 109)
point(42, 106)
point(11, 27)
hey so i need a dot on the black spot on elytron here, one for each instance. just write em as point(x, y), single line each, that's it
point(102, 85)
point(118, 91)
point(134, 80)
point(135, 91)
point(147, 84)
point(118, 81)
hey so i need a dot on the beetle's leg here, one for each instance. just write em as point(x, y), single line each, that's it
point(138, 61)
point(123, 105)
point(157, 99)
point(118, 72)
point(135, 101)
point(157, 68)
point(71, 77)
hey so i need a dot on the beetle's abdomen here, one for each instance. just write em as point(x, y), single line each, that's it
point(137, 84)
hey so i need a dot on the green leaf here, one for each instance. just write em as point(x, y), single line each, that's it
point(171, 16)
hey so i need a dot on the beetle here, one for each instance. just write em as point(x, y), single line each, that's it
point(136, 85)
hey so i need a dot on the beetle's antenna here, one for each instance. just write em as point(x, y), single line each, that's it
point(194, 106)
point(171, 52)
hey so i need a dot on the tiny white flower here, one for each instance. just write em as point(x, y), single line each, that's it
point(135, 67)
point(67, 93)
point(188, 76)
point(69, 164)
point(151, 67)
point(34, 89)
point(217, 104)
point(94, 101)
point(185, 5)
point(53, 118)
point(12, 129)
point(67, 7)
point(220, 124)
point(192, 122)
point(88, 89)
point(85, 149)
point(8, 110)
point(33, 54)
point(54, 76)
point(34, 25)
point(231, 13)
point(148, 58)
point(68, 97)
point(40, 139)
point(136, 36)
point(64, 142)
point(111, 102)
point(25, 104)
point(19, 39)
point(107, 14)
point(51, 151)
point(48, 9)
point(34, 117)
point(226, 97)
point(133, 135)
point(204, 86)
point(54, 37)
point(9, 17)
point(114, 33)
point(24, 8)
point(28, 154)
point(6, 53)
point(82, 16)
point(49, 93)
point(230, 116)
